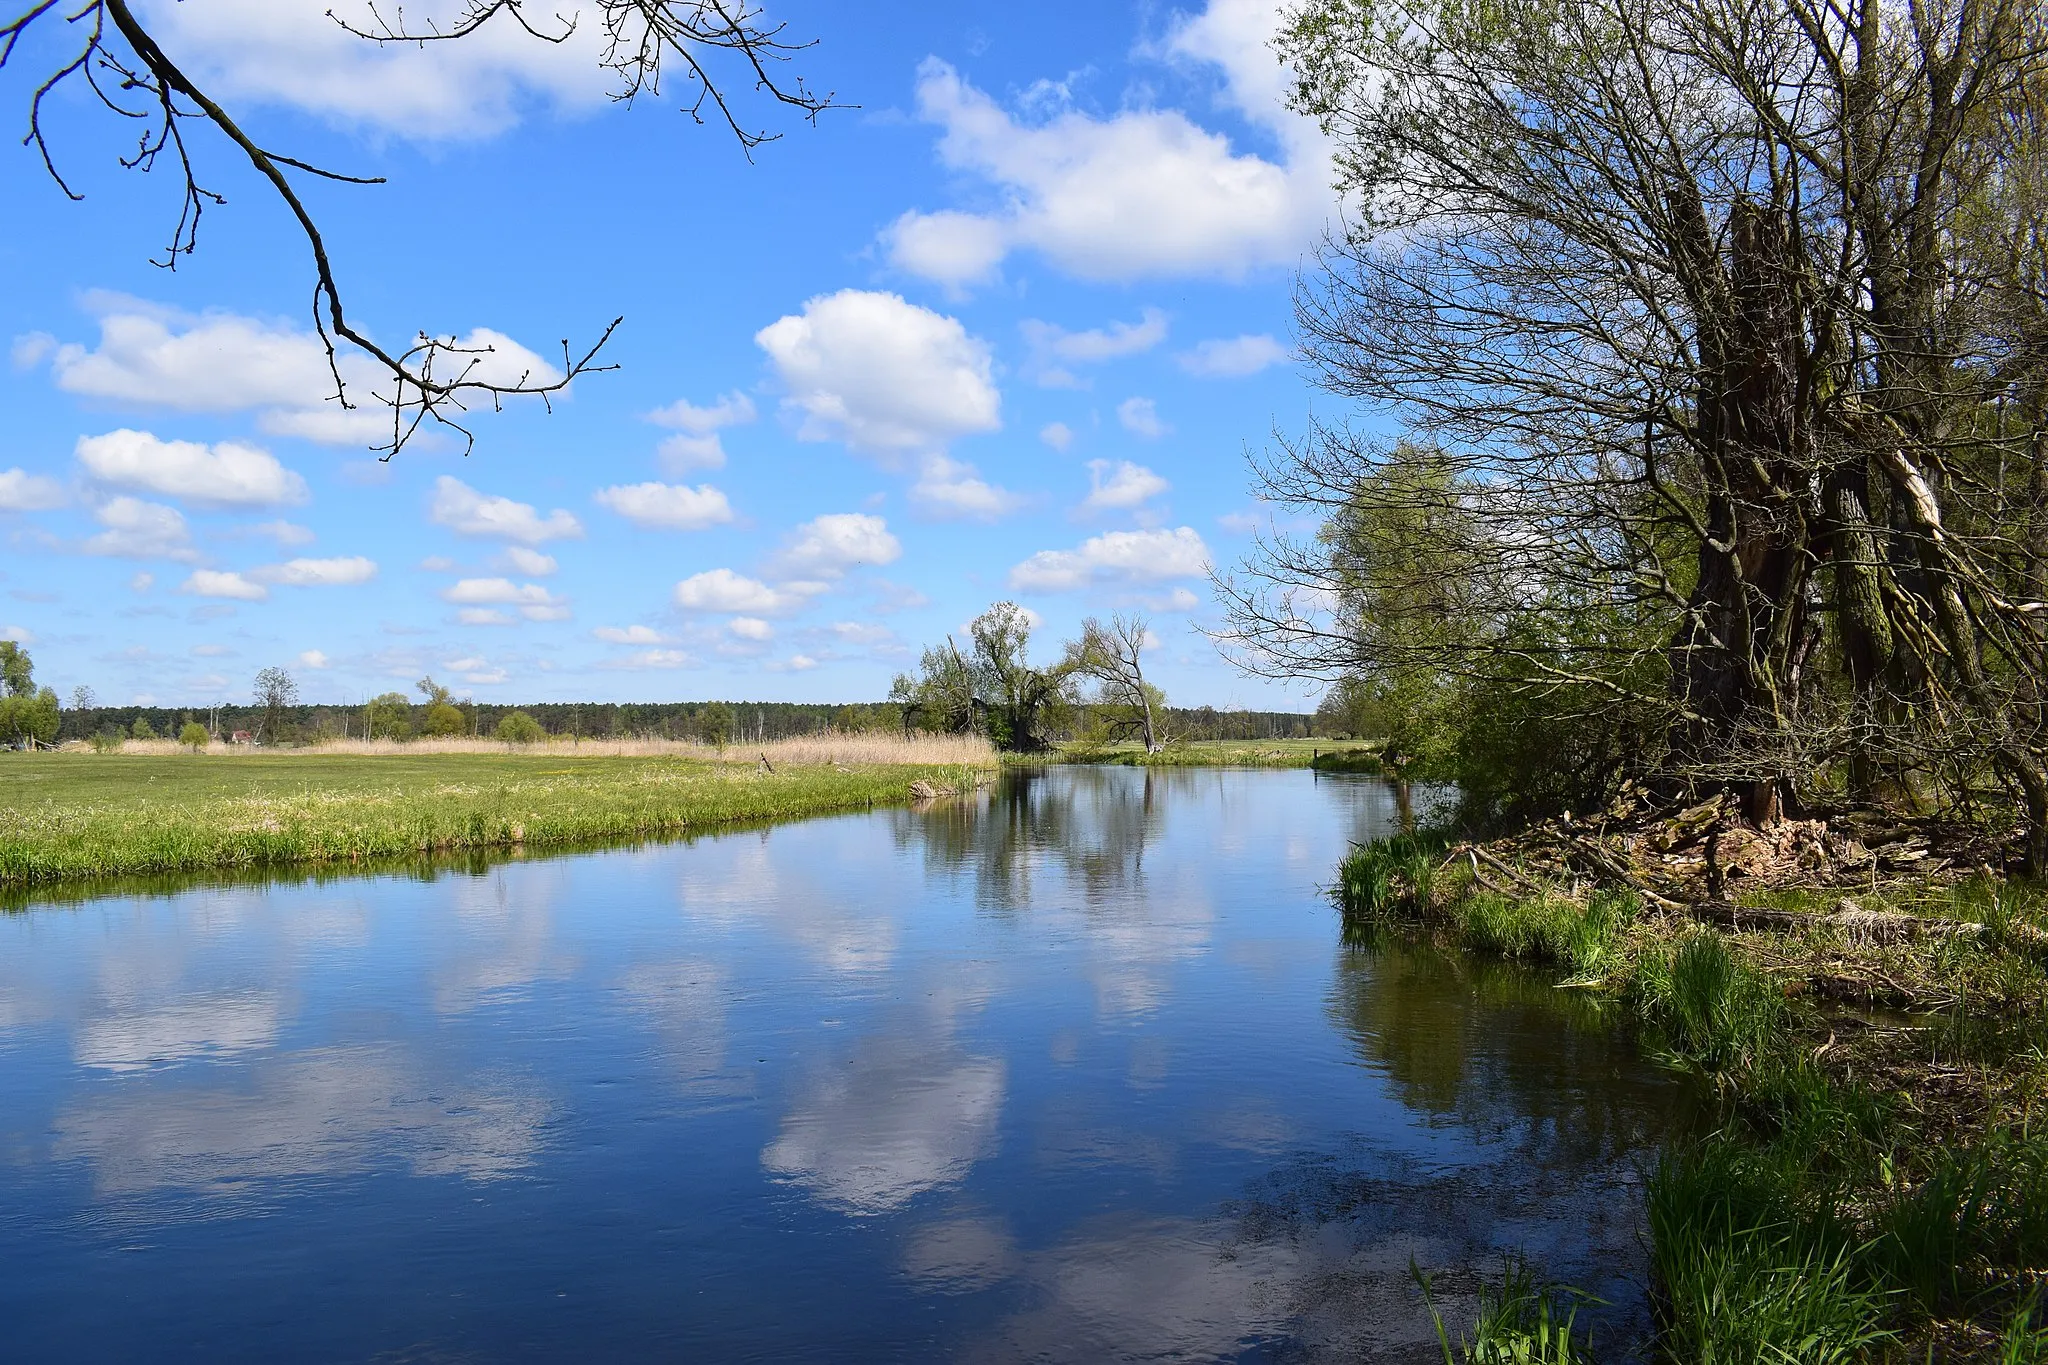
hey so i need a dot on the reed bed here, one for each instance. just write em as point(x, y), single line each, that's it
point(68, 816)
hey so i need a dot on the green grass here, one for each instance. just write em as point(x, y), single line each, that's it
point(1862, 1211)
point(1228, 753)
point(67, 816)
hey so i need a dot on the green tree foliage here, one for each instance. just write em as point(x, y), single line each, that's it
point(276, 692)
point(1715, 331)
point(142, 729)
point(994, 690)
point(520, 728)
point(193, 736)
point(27, 716)
point(443, 717)
point(388, 717)
point(714, 724)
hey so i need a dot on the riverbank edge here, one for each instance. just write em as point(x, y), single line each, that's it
point(1330, 756)
point(319, 828)
point(1876, 1185)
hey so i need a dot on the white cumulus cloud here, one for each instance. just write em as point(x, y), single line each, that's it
point(750, 628)
point(629, 635)
point(1126, 557)
point(1053, 347)
point(1140, 417)
point(467, 512)
point(534, 602)
point(1058, 435)
point(885, 376)
point(135, 529)
point(722, 590)
point(313, 659)
point(342, 571)
point(532, 563)
point(949, 490)
point(296, 56)
point(828, 546)
point(21, 491)
point(225, 475)
point(696, 444)
point(1232, 357)
point(1120, 486)
point(667, 507)
point(220, 583)
point(1143, 193)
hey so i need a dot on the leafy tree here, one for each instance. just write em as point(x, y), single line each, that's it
point(517, 727)
point(142, 729)
point(388, 717)
point(1715, 328)
point(714, 724)
point(1112, 656)
point(275, 690)
point(27, 716)
point(443, 717)
point(17, 673)
point(193, 736)
point(996, 690)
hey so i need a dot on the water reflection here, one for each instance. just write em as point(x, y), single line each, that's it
point(1071, 1069)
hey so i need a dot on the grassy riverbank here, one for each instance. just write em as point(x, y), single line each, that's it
point(1328, 754)
point(69, 816)
point(1876, 1188)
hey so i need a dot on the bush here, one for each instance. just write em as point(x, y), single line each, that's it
point(142, 729)
point(107, 739)
point(520, 728)
point(194, 736)
point(444, 719)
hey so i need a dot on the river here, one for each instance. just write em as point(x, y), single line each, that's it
point(1074, 1069)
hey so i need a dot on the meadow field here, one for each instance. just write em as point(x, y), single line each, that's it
point(154, 808)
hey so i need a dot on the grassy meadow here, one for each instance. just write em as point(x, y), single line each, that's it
point(73, 815)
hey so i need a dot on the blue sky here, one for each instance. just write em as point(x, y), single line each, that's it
point(1005, 330)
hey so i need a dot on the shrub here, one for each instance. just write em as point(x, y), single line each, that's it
point(194, 736)
point(520, 728)
point(142, 729)
point(107, 740)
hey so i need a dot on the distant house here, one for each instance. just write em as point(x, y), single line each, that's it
point(241, 737)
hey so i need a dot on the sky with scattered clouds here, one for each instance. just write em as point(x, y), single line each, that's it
point(1006, 329)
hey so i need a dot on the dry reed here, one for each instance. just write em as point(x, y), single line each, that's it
point(854, 749)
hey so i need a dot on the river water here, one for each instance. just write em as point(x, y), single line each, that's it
point(1075, 1069)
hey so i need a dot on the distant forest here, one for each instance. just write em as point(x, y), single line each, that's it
point(750, 721)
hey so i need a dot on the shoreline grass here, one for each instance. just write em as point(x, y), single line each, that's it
point(1875, 1186)
point(66, 818)
point(1325, 754)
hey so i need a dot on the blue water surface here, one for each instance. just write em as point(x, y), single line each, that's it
point(1073, 1069)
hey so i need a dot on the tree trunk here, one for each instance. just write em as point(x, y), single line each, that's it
point(1747, 609)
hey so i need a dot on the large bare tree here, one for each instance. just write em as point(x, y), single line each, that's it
point(711, 47)
point(1721, 324)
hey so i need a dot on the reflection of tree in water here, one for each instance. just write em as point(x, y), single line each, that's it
point(1093, 824)
point(1505, 1052)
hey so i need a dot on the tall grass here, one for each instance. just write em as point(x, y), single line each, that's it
point(1821, 1221)
point(1521, 1322)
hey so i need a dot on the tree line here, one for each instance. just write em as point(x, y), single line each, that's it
point(276, 715)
